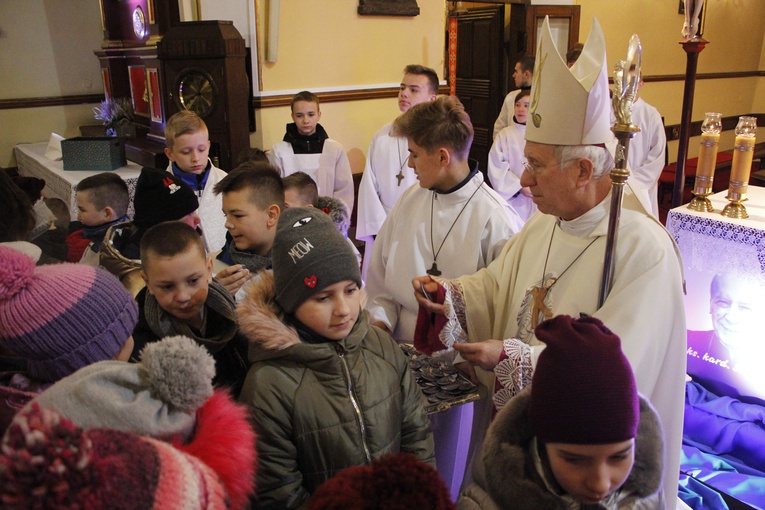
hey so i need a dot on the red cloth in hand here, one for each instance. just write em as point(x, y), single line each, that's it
point(429, 325)
point(77, 245)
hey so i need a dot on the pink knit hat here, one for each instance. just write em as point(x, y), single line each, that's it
point(583, 390)
point(61, 317)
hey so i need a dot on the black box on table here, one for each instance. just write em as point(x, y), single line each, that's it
point(93, 153)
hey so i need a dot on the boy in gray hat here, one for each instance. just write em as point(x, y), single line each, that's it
point(327, 390)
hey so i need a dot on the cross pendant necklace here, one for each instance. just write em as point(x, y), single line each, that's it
point(538, 294)
point(433, 271)
point(400, 176)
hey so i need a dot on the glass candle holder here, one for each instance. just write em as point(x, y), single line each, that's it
point(743, 153)
point(705, 168)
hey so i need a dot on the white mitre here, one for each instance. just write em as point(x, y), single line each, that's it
point(570, 106)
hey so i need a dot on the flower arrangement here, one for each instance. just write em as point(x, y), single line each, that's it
point(116, 114)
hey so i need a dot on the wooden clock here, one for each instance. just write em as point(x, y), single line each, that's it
point(203, 70)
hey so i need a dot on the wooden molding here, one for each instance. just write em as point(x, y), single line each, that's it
point(333, 96)
point(702, 76)
point(336, 96)
point(673, 131)
point(42, 102)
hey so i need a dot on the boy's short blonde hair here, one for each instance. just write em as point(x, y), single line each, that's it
point(442, 122)
point(306, 96)
point(169, 239)
point(261, 180)
point(182, 123)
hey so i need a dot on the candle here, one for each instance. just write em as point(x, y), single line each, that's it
point(743, 152)
point(705, 168)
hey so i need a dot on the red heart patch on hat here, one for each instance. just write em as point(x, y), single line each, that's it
point(310, 281)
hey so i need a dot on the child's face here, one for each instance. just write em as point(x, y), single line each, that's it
point(88, 214)
point(589, 473)
point(332, 311)
point(305, 115)
point(252, 228)
point(179, 282)
point(522, 109)
point(192, 219)
point(190, 151)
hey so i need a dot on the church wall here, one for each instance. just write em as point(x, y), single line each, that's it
point(335, 49)
point(735, 33)
point(47, 51)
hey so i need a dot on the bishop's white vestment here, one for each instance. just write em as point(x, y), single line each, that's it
point(644, 308)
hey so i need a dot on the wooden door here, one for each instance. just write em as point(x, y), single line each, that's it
point(480, 66)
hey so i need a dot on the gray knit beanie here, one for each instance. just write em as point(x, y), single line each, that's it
point(157, 397)
point(308, 255)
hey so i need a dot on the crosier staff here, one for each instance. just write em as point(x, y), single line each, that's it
point(624, 94)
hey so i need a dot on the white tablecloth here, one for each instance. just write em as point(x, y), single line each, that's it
point(60, 183)
point(714, 243)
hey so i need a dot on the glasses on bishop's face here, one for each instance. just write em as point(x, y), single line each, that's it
point(535, 170)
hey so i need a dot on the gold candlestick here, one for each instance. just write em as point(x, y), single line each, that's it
point(705, 168)
point(743, 152)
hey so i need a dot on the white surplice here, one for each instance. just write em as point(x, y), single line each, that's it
point(403, 248)
point(506, 166)
point(330, 169)
point(647, 150)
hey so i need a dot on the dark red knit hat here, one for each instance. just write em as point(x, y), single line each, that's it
point(393, 482)
point(583, 390)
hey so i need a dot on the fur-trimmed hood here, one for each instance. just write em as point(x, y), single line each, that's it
point(505, 476)
point(261, 319)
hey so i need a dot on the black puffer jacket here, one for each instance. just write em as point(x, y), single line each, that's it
point(319, 407)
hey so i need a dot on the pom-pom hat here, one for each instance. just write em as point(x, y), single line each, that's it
point(583, 390)
point(50, 462)
point(157, 397)
point(61, 317)
point(161, 196)
point(309, 254)
point(570, 106)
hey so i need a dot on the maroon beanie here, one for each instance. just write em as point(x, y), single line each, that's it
point(583, 390)
point(394, 482)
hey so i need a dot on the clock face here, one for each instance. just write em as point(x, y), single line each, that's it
point(196, 92)
point(139, 22)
